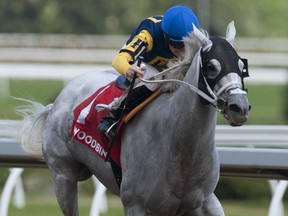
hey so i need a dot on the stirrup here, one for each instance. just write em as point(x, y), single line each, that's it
point(108, 134)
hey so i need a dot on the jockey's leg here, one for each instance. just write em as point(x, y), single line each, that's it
point(138, 94)
point(107, 125)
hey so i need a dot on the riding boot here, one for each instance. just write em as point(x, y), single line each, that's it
point(108, 124)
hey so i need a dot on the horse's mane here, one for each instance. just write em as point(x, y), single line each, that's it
point(192, 46)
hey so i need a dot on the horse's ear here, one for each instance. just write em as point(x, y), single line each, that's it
point(204, 41)
point(231, 33)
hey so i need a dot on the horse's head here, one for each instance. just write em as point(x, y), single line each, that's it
point(221, 75)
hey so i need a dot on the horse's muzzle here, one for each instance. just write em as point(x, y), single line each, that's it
point(236, 109)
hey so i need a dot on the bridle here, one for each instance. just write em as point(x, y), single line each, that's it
point(205, 88)
point(231, 72)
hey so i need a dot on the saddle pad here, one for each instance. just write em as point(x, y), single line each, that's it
point(86, 120)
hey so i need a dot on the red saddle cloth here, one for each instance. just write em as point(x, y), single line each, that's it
point(86, 120)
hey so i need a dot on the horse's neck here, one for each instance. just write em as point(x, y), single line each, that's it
point(191, 130)
point(196, 121)
point(192, 110)
point(185, 95)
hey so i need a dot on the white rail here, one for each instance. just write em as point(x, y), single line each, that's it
point(271, 136)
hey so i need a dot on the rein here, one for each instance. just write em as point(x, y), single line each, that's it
point(152, 80)
point(193, 88)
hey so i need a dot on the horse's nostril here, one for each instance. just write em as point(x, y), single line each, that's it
point(235, 108)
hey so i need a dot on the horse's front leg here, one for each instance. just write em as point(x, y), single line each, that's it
point(210, 207)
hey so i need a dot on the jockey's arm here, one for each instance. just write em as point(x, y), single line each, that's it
point(123, 62)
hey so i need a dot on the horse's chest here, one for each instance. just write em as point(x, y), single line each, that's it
point(198, 181)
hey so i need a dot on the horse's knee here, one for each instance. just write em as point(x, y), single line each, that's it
point(211, 207)
point(135, 210)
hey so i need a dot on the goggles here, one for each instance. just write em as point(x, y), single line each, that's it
point(176, 45)
point(175, 42)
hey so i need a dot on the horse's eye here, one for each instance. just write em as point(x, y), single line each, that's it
point(210, 66)
point(213, 68)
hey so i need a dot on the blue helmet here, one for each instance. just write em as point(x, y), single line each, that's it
point(177, 22)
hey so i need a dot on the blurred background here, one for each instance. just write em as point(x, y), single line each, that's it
point(44, 43)
point(256, 19)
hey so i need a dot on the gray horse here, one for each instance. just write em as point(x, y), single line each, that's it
point(169, 160)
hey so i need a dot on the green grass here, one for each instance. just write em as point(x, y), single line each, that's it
point(43, 91)
point(245, 208)
point(49, 207)
point(267, 104)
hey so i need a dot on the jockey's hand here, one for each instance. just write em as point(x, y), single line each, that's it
point(140, 71)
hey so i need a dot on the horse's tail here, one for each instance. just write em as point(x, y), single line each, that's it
point(30, 129)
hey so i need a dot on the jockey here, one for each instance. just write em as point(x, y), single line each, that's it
point(157, 39)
